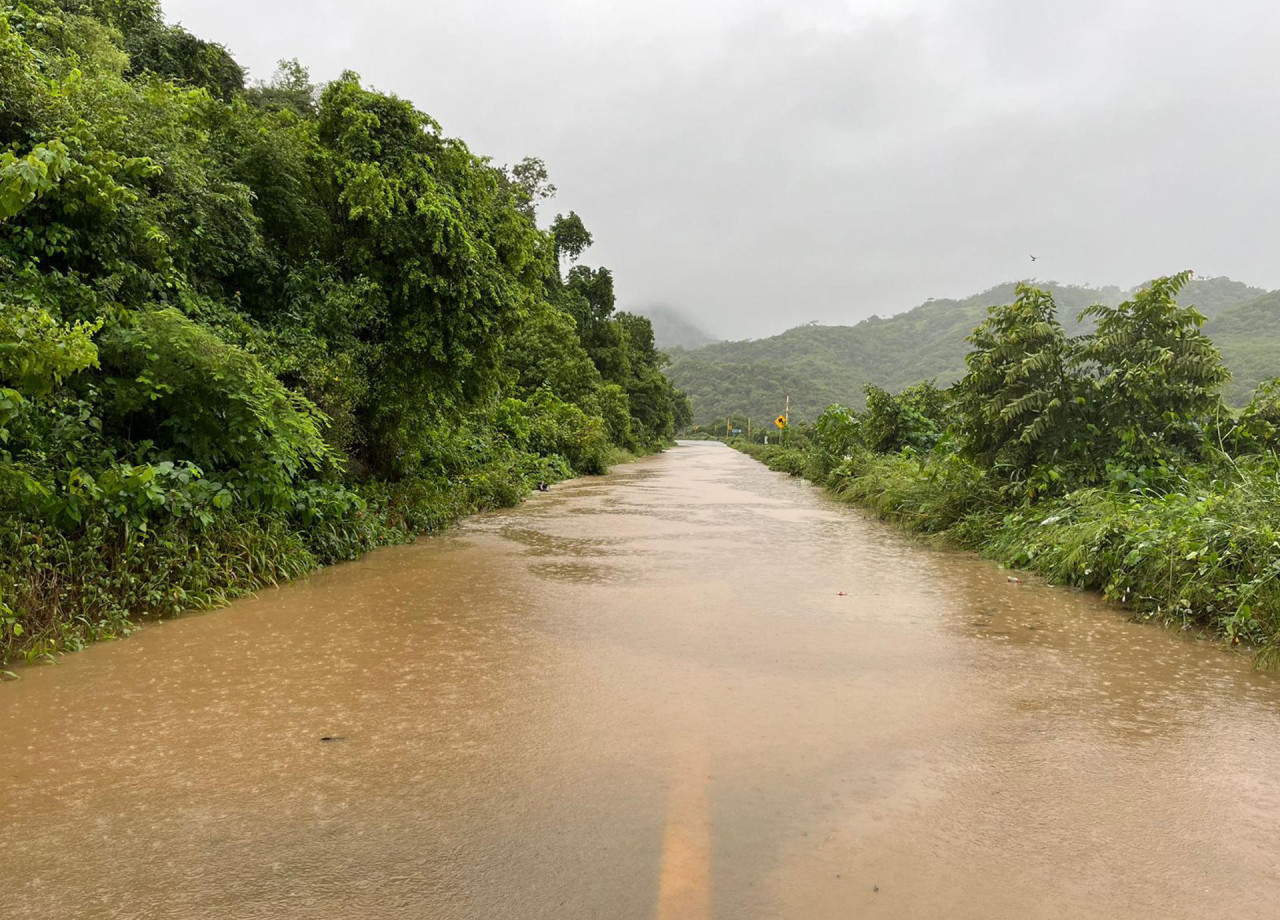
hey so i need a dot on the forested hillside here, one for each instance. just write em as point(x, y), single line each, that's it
point(246, 330)
point(1249, 336)
point(822, 365)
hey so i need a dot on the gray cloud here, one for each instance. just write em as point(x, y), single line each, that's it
point(765, 162)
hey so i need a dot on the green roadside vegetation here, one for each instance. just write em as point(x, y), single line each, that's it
point(1104, 460)
point(247, 330)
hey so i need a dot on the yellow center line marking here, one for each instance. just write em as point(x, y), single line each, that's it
point(684, 887)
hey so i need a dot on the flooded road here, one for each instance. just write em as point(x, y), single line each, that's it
point(644, 696)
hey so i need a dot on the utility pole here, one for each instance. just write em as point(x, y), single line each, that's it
point(748, 429)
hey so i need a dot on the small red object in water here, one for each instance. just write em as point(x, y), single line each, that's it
point(842, 594)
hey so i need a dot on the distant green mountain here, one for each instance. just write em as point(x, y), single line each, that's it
point(1248, 336)
point(819, 365)
point(673, 331)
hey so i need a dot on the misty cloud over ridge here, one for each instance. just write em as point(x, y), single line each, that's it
point(765, 163)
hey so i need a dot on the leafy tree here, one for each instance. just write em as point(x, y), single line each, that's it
point(422, 219)
point(546, 424)
point(655, 413)
point(178, 385)
point(591, 299)
point(531, 185)
point(129, 16)
point(588, 297)
point(1258, 427)
point(837, 433)
point(614, 407)
point(36, 354)
point(571, 238)
point(914, 418)
point(173, 52)
point(289, 90)
point(544, 351)
point(168, 51)
point(1158, 377)
point(1022, 402)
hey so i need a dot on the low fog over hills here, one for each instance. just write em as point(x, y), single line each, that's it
point(672, 330)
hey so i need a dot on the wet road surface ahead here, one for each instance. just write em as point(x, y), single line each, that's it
point(642, 696)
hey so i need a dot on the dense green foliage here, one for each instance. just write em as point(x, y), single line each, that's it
point(1020, 397)
point(914, 419)
point(1104, 460)
point(248, 330)
point(821, 365)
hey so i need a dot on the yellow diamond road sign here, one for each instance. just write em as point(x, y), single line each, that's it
point(781, 421)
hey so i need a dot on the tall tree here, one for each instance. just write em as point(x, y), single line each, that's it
point(1159, 377)
point(1022, 402)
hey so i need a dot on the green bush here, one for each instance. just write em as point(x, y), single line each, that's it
point(914, 418)
point(1258, 426)
point(1202, 555)
point(546, 425)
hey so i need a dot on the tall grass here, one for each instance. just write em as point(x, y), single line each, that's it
point(60, 591)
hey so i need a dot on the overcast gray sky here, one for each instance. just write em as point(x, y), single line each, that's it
point(761, 163)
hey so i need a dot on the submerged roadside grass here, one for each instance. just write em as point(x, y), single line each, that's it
point(105, 580)
point(1203, 555)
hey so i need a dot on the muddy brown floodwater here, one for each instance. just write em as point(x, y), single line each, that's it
point(644, 696)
